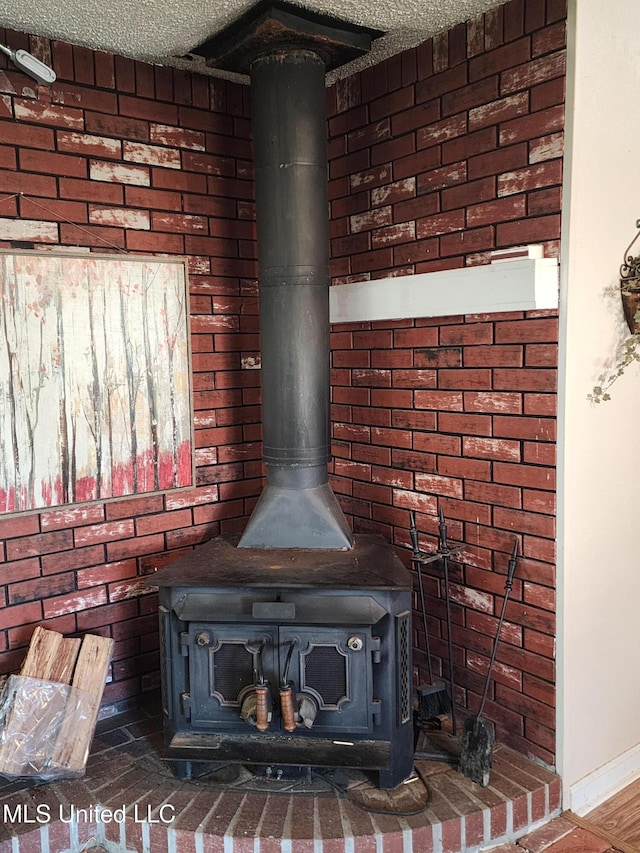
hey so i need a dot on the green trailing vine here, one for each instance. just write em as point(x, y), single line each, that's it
point(626, 354)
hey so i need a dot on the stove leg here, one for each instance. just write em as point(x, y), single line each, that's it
point(391, 778)
point(183, 769)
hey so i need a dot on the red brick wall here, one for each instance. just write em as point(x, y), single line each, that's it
point(439, 156)
point(148, 159)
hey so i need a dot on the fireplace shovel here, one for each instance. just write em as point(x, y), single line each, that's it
point(478, 736)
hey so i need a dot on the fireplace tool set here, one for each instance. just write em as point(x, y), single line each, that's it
point(433, 697)
point(478, 737)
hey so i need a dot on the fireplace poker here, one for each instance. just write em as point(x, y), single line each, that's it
point(286, 696)
point(478, 736)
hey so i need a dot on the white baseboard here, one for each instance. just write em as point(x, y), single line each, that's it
point(604, 782)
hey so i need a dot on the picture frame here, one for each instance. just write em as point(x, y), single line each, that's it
point(95, 378)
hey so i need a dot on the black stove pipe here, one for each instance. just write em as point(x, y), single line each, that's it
point(297, 508)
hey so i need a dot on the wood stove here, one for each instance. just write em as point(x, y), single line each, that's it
point(291, 647)
point(326, 634)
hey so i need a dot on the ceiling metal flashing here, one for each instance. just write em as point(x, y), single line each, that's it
point(272, 25)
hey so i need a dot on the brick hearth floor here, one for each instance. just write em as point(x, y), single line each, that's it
point(231, 811)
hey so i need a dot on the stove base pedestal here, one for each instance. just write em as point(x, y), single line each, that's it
point(393, 762)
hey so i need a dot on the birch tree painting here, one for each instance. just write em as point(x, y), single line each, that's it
point(95, 382)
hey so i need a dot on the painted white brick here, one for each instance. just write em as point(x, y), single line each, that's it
point(206, 456)
point(371, 219)
point(380, 194)
point(120, 217)
point(546, 148)
point(151, 155)
point(5, 106)
point(177, 137)
point(251, 362)
point(37, 111)
point(415, 500)
point(194, 497)
point(28, 230)
point(119, 174)
point(82, 142)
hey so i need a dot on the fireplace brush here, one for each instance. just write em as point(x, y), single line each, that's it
point(478, 737)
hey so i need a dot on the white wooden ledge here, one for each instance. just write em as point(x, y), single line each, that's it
point(519, 284)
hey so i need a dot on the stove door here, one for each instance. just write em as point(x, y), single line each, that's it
point(221, 670)
point(332, 666)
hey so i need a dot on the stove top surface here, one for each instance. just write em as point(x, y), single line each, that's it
point(371, 564)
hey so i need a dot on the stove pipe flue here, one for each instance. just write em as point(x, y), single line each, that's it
point(286, 49)
point(297, 508)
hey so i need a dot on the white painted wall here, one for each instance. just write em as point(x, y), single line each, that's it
point(599, 522)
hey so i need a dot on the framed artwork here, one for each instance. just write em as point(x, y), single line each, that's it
point(95, 378)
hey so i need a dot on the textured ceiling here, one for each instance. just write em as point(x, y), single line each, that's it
point(162, 31)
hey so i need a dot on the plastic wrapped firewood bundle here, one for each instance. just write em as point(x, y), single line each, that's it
point(36, 718)
point(48, 712)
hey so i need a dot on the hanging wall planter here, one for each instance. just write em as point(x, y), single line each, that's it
point(627, 350)
point(630, 286)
